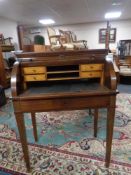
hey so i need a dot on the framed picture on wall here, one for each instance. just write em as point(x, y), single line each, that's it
point(102, 35)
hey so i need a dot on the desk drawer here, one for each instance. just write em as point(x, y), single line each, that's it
point(90, 74)
point(34, 70)
point(35, 77)
point(90, 67)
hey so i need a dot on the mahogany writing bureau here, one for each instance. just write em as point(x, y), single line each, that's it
point(54, 81)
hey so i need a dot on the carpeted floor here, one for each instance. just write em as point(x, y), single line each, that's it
point(66, 144)
point(124, 88)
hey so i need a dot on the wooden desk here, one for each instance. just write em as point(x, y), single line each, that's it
point(56, 81)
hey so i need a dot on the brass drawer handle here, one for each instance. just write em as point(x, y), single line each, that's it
point(34, 70)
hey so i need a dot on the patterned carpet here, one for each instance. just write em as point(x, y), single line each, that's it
point(66, 144)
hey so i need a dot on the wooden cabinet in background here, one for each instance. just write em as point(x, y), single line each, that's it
point(36, 48)
point(4, 71)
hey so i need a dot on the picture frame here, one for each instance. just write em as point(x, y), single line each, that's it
point(102, 35)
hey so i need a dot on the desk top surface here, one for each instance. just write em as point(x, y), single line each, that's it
point(65, 88)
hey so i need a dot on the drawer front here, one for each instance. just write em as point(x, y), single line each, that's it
point(35, 77)
point(90, 67)
point(34, 70)
point(90, 74)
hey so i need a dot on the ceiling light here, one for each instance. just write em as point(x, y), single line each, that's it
point(111, 15)
point(46, 21)
point(116, 3)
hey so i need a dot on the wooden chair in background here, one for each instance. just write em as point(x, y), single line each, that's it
point(72, 38)
point(58, 42)
point(124, 66)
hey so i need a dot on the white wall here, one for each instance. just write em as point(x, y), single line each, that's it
point(9, 29)
point(90, 32)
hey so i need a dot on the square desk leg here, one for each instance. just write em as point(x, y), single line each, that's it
point(109, 134)
point(21, 127)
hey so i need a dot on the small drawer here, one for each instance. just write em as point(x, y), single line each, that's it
point(90, 67)
point(35, 77)
point(34, 70)
point(90, 74)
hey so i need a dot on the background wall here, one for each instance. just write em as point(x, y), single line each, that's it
point(9, 29)
point(90, 32)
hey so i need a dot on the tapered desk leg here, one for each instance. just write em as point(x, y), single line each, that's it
point(110, 125)
point(95, 121)
point(34, 126)
point(22, 133)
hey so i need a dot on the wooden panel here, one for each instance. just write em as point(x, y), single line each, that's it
point(39, 48)
point(64, 103)
point(35, 77)
point(91, 67)
point(28, 48)
point(34, 70)
point(36, 48)
point(90, 74)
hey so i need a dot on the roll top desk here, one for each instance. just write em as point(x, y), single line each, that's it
point(53, 81)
